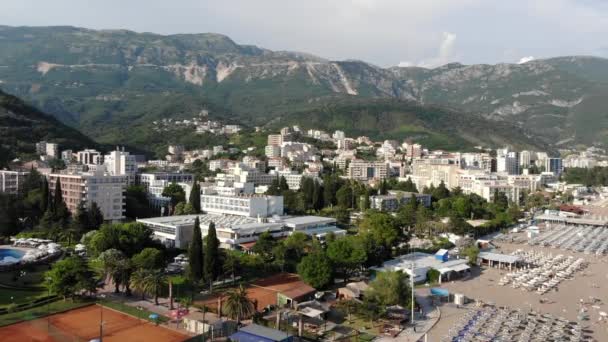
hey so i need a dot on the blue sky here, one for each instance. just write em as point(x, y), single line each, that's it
point(384, 32)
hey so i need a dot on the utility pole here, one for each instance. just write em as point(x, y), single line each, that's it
point(412, 284)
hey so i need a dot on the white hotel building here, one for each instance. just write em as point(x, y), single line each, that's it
point(249, 205)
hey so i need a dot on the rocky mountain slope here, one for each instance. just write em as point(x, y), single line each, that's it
point(105, 82)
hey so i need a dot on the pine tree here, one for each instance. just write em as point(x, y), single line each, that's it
point(211, 261)
point(195, 197)
point(195, 253)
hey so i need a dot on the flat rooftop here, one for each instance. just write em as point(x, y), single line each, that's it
point(205, 219)
point(305, 220)
point(498, 257)
point(422, 260)
point(590, 221)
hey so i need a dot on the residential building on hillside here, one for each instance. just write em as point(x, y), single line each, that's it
point(272, 151)
point(554, 165)
point(12, 181)
point(367, 170)
point(396, 199)
point(121, 163)
point(275, 139)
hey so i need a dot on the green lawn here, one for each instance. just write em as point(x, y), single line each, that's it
point(41, 311)
point(22, 286)
point(29, 276)
point(19, 296)
point(130, 310)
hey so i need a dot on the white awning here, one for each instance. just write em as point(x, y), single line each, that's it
point(460, 268)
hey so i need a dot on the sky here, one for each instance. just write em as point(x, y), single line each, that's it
point(426, 33)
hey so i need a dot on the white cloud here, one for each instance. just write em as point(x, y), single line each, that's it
point(526, 59)
point(445, 53)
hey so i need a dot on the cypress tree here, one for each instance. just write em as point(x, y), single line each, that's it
point(44, 203)
point(80, 221)
point(195, 253)
point(95, 219)
point(195, 197)
point(317, 196)
point(283, 186)
point(211, 261)
point(58, 195)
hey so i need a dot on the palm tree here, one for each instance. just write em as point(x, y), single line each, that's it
point(122, 274)
point(138, 282)
point(111, 259)
point(237, 305)
point(150, 282)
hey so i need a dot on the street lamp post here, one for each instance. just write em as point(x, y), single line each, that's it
point(48, 305)
point(413, 300)
point(101, 319)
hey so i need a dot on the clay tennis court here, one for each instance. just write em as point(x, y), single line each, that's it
point(83, 325)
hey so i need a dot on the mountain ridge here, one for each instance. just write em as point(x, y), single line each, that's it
point(89, 78)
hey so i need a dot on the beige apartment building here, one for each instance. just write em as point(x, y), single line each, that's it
point(85, 188)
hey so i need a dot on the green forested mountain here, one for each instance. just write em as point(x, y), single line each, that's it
point(21, 126)
point(111, 84)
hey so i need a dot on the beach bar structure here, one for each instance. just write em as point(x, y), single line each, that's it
point(498, 260)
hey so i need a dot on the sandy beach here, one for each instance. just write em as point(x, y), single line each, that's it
point(592, 281)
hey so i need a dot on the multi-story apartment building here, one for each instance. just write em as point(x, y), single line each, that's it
point(507, 161)
point(272, 151)
point(89, 156)
point(85, 188)
point(243, 205)
point(146, 179)
point(275, 139)
point(12, 181)
point(41, 147)
point(52, 150)
point(554, 165)
point(121, 163)
point(367, 170)
point(427, 172)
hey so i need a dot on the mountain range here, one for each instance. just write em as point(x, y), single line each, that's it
point(111, 84)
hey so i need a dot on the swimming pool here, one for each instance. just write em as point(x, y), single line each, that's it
point(9, 254)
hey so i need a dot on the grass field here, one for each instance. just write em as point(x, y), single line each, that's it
point(142, 314)
point(22, 286)
point(41, 311)
point(9, 296)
